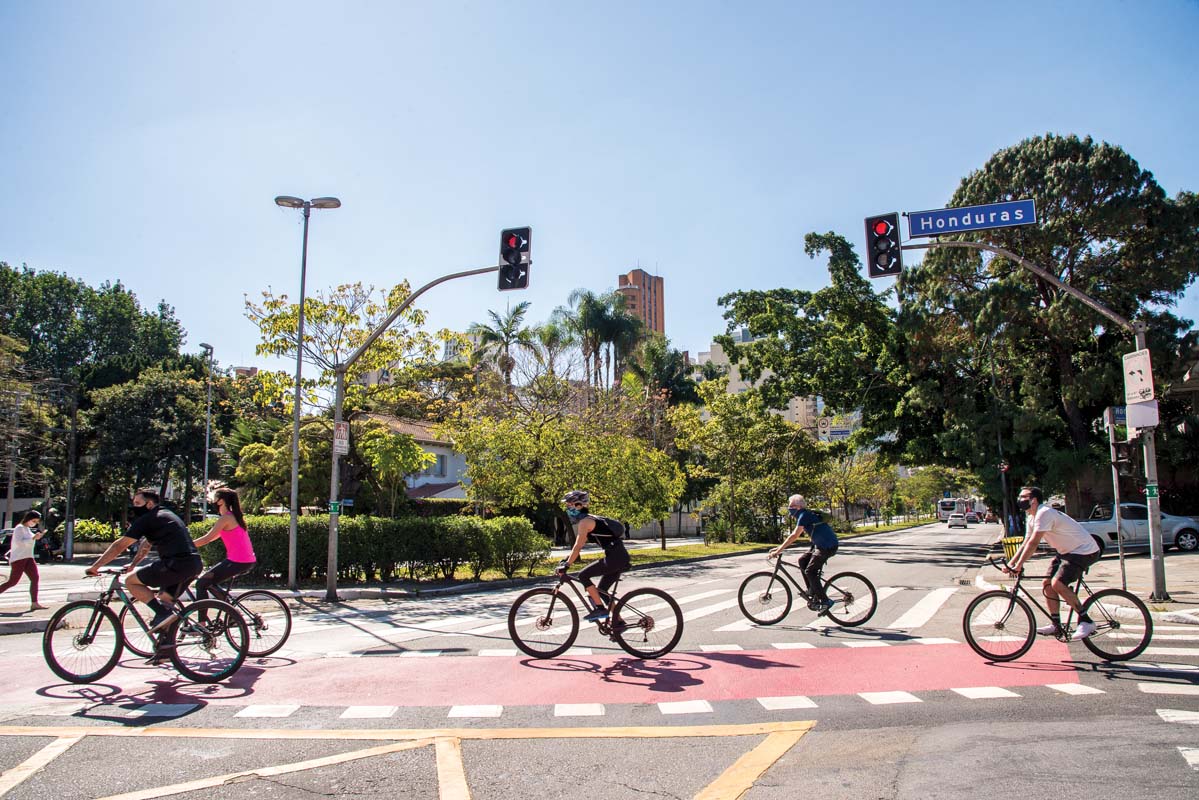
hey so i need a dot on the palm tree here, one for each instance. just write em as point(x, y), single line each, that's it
point(550, 341)
point(659, 366)
point(498, 341)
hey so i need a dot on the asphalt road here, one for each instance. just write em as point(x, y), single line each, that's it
point(428, 698)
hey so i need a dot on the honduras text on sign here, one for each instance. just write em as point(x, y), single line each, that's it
point(941, 221)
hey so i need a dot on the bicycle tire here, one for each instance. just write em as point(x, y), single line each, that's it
point(268, 620)
point(854, 599)
point(644, 634)
point(212, 651)
point(1110, 628)
point(67, 640)
point(137, 641)
point(549, 637)
point(764, 598)
point(999, 626)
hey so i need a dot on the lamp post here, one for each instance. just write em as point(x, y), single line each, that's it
point(287, 201)
point(207, 433)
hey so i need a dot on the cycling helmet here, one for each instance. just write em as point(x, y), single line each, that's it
point(577, 496)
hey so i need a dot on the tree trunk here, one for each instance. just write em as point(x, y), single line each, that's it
point(166, 477)
point(187, 492)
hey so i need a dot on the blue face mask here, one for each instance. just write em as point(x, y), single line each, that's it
point(794, 512)
point(575, 514)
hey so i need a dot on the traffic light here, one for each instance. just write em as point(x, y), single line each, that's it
point(1125, 458)
point(515, 258)
point(883, 253)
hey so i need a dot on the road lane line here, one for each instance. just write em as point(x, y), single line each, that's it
point(1175, 715)
point(1168, 688)
point(686, 707)
point(984, 692)
point(369, 712)
point(476, 712)
point(30, 766)
point(924, 610)
point(1191, 754)
point(785, 703)
point(579, 710)
point(738, 779)
point(888, 698)
point(820, 623)
point(1172, 651)
point(451, 772)
point(1074, 688)
point(267, 711)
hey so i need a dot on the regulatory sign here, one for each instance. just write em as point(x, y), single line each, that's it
point(334, 507)
point(1138, 377)
point(941, 221)
point(341, 438)
point(1151, 490)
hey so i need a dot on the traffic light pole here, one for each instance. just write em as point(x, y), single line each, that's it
point(1138, 330)
point(339, 401)
point(1109, 421)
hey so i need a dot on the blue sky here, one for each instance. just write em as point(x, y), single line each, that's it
point(145, 141)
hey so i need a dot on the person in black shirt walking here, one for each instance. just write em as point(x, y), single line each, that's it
point(608, 534)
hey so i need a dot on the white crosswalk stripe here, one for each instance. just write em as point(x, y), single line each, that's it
point(883, 593)
point(1168, 688)
point(924, 610)
point(1175, 715)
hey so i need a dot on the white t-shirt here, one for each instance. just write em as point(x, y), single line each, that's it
point(22, 544)
point(1063, 533)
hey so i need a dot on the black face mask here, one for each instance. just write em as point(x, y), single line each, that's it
point(138, 511)
point(1023, 504)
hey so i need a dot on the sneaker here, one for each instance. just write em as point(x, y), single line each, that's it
point(160, 657)
point(1048, 630)
point(1085, 629)
point(597, 614)
point(161, 620)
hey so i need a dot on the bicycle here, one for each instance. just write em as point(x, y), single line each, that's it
point(552, 620)
point(999, 625)
point(765, 598)
point(267, 617)
point(83, 640)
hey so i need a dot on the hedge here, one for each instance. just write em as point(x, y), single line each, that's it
point(373, 548)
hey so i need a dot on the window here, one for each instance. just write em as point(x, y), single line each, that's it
point(1134, 512)
point(435, 470)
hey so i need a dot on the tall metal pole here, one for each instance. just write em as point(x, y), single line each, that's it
point(1109, 421)
point(295, 428)
point(207, 439)
point(1156, 550)
point(68, 551)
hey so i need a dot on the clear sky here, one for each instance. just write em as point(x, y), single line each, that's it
point(145, 141)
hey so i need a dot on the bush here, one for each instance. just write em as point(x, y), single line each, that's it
point(93, 530)
point(516, 545)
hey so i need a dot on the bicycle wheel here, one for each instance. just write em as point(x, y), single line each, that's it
point(999, 626)
point(765, 598)
point(136, 639)
point(642, 626)
point(854, 599)
point(543, 623)
point(268, 619)
point(1123, 626)
point(208, 642)
point(82, 642)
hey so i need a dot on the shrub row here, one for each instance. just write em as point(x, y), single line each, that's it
point(374, 548)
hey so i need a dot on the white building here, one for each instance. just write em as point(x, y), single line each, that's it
point(446, 476)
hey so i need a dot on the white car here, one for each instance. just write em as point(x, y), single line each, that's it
point(956, 521)
point(1180, 532)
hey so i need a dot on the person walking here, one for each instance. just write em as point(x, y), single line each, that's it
point(21, 557)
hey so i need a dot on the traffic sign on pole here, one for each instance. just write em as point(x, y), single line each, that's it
point(341, 438)
point(942, 221)
point(1138, 377)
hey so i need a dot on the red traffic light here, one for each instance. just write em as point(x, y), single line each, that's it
point(882, 227)
point(513, 241)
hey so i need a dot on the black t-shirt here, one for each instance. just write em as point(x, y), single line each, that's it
point(609, 534)
point(165, 531)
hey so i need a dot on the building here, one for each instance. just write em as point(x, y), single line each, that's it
point(446, 476)
point(642, 294)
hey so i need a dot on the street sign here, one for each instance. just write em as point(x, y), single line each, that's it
point(941, 221)
point(836, 434)
point(348, 502)
point(1151, 490)
point(824, 424)
point(341, 438)
point(1119, 415)
point(946, 493)
point(1138, 377)
point(334, 507)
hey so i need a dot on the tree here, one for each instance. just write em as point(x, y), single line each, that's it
point(391, 457)
point(662, 368)
point(498, 342)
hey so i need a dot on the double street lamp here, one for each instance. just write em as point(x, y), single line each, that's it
point(287, 201)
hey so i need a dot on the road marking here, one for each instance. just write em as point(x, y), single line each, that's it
point(578, 651)
point(1074, 688)
point(342, 654)
point(476, 712)
point(984, 692)
point(793, 646)
point(579, 710)
point(267, 711)
point(451, 772)
point(871, 643)
point(735, 627)
point(1174, 715)
point(1162, 667)
point(887, 698)
point(30, 766)
point(369, 712)
point(716, 648)
point(497, 653)
point(420, 654)
point(935, 640)
point(686, 707)
point(1172, 651)
point(738, 779)
point(924, 610)
point(1168, 688)
point(785, 703)
point(883, 593)
point(1191, 754)
point(163, 710)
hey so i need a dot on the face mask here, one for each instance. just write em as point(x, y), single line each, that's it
point(1023, 504)
point(138, 511)
point(575, 514)
point(794, 512)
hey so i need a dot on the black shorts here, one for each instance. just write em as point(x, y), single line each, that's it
point(606, 569)
point(1069, 567)
point(171, 575)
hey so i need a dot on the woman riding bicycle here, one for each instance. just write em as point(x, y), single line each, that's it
point(231, 530)
point(608, 534)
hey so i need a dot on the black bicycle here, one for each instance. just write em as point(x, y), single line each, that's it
point(765, 597)
point(544, 622)
point(999, 624)
point(266, 614)
point(83, 640)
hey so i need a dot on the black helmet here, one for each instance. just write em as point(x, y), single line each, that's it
point(577, 496)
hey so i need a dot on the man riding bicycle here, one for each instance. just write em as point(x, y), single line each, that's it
point(608, 534)
point(1075, 551)
point(824, 546)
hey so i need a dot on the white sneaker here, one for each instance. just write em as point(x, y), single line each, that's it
point(1047, 630)
point(1085, 629)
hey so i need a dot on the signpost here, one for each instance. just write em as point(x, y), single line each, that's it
point(1138, 377)
point(942, 221)
point(341, 438)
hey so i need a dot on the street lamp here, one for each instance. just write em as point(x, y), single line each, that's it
point(286, 201)
point(207, 432)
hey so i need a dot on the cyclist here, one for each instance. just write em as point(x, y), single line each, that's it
point(1074, 552)
point(231, 529)
point(824, 546)
point(608, 534)
point(178, 562)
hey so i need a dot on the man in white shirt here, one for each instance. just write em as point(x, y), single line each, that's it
point(1075, 551)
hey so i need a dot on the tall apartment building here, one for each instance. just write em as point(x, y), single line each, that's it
point(643, 298)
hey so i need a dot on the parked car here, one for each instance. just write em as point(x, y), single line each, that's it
point(972, 517)
point(1180, 532)
point(956, 520)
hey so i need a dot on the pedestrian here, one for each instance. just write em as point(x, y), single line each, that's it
point(20, 556)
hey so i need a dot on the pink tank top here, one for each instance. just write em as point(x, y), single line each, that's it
point(237, 545)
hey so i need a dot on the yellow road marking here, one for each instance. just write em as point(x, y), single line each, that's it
point(451, 772)
point(15, 776)
point(268, 772)
point(744, 773)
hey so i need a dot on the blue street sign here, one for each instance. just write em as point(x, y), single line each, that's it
point(946, 493)
point(971, 218)
point(1121, 415)
point(347, 501)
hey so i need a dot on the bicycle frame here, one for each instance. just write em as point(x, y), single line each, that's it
point(116, 588)
point(1068, 625)
point(782, 567)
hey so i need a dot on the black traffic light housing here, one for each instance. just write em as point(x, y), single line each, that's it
point(884, 256)
point(1125, 462)
point(515, 258)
